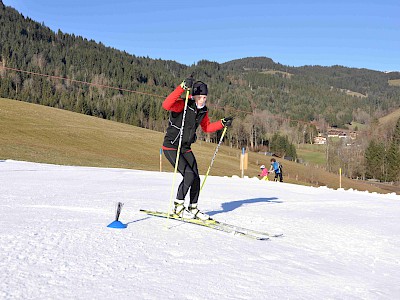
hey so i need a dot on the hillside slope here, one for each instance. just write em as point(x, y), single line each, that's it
point(36, 133)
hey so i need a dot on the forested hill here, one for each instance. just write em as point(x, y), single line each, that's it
point(370, 83)
point(263, 94)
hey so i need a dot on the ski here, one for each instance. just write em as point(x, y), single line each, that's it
point(221, 226)
point(209, 224)
point(253, 231)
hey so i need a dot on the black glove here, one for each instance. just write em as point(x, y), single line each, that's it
point(188, 83)
point(227, 122)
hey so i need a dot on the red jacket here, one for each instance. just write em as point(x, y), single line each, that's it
point(194, 117)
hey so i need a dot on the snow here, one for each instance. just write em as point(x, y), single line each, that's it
point(55, 244)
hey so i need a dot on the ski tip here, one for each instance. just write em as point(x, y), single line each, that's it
point(278, 235)
point(254, 237)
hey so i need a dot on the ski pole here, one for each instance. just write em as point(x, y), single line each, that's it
point(212, 160)
point(177, 154)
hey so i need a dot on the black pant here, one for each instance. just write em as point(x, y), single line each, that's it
point(280, 177)
point(187, 166)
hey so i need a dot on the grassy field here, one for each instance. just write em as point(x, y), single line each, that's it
point(273, 72)
point(355, 125)
point(36, 133)
point(394, 82)
point(390, 118)
point(313, 154)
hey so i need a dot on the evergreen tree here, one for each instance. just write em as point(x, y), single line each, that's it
point(393, 156)
point(375, 160)
point(393, 162)
point(396, 134)
point(281, 146)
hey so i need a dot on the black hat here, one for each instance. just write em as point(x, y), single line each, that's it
point(199, 88)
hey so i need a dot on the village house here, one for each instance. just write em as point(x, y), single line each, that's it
point(319, 140)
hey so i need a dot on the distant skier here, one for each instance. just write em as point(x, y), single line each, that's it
point(264, 173)
point(196, 114)
point(277, 169)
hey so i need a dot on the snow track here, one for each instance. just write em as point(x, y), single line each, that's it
point(54, 243)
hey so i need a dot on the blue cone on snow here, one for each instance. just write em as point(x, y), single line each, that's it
point(116, 223)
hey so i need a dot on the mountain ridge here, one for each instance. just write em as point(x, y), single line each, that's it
point(31, 46)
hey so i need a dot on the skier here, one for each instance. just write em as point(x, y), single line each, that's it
point(196, 114)
point(264, 173)
point(275, 167)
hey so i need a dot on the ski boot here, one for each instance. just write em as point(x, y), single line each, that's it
point(179, 208)
point(192, 212)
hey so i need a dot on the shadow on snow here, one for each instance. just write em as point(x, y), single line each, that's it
point(229, 206)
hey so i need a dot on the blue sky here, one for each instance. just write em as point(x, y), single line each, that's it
point(361, 34)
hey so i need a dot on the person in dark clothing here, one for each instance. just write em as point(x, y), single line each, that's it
point(196, 114)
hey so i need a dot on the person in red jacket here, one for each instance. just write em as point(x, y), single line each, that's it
point(196, 114)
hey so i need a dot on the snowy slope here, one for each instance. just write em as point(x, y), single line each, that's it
point(54, 243)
